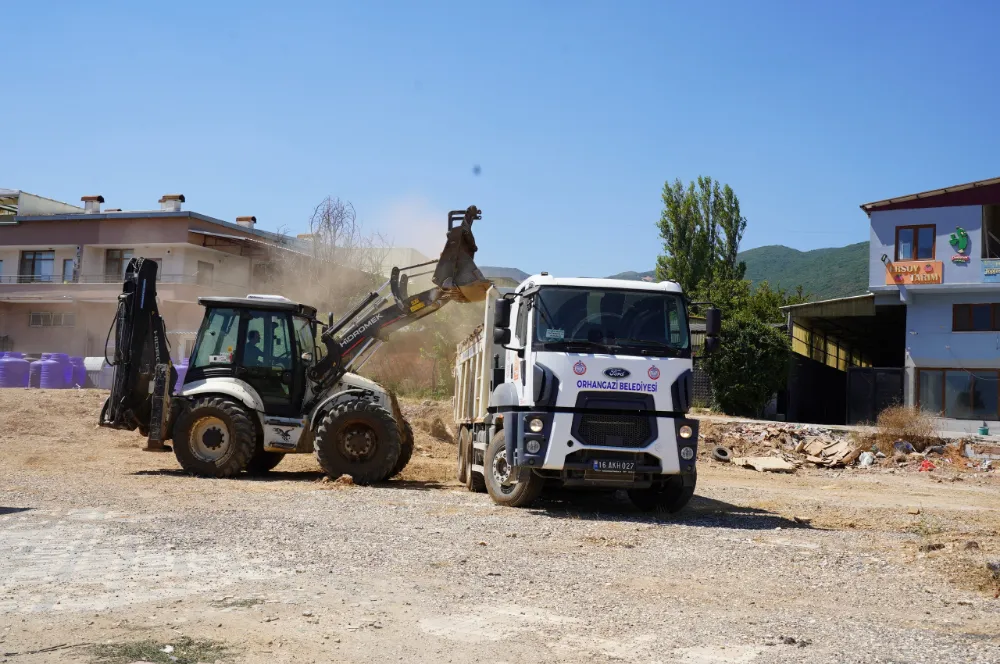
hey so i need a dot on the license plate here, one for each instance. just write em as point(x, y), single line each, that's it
point(614, 466)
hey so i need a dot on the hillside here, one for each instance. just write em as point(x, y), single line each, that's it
point(823, 273)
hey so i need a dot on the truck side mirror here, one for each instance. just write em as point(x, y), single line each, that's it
point(501, 335)
point(713, 322)
point(501, 312)
point(711, 345)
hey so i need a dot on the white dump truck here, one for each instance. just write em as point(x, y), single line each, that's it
point(583, 383)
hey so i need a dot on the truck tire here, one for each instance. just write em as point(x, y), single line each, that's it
point(214, 438)
point(672, 497)
point(516, 494)
point(360, 439)
point(474, 481)
point(464, 438)
point(405, 449)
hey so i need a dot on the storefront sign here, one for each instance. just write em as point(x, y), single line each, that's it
point(991, 270)
point(959, 240)
point(913, 273)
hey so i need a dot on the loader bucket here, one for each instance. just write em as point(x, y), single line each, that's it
point(456, 271)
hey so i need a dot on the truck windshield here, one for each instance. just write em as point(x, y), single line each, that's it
point(648, 322)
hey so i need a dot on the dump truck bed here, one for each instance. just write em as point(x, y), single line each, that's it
point(475, 361)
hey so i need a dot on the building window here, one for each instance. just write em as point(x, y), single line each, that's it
point(959, 394)
point(36, 267)
point(975, 317)
point(50, 319)
point(115, 262)
point(915, 243)
point(205, 275)
point(67, 275)
point(991, 231)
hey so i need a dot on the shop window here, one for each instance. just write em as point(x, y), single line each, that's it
point(960, 394)
point(915, 243)
point(991, 231)
point(975, 317)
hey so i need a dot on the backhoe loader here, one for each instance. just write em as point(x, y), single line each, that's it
point(267, 378)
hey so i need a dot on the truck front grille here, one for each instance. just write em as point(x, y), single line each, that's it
point(614, 430)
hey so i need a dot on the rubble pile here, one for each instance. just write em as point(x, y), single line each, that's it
point(779, 447)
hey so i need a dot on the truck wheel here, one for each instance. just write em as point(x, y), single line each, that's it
point(672, 497)
point(360, 439)
point(502, 489)
point(405, 449)
point(463, 455)
point(474, 482)
point(214, 438)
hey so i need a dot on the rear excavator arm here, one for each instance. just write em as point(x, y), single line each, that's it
point(356, 337)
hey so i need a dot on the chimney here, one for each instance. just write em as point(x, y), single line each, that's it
point(171, 202)
point(246, 222)
point(92, 204)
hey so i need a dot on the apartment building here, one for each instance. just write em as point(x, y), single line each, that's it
point(61, 267)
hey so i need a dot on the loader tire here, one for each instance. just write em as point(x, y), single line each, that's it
point(360, 439)
point(670, 498)
point(214, 438)
point(405, 449)
point(498, 484)
point(263, 462)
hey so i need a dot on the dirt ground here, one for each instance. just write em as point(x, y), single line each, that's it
point(108, 553)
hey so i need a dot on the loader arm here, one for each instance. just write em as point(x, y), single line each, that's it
point(355, 338)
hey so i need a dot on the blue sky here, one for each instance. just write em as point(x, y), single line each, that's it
point(577, 112)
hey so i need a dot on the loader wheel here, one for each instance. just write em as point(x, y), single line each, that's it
point(214, 438)
point(671, 497)
point(463, 458)
point(262, 461)
point(405, 449)
point(503, 489)
point(360, 439)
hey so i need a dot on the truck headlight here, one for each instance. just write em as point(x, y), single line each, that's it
point(536, 425)
point(533, 446)
point(687, 453)
point(685, 432)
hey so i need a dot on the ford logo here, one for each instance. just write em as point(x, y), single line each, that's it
point(617, 372)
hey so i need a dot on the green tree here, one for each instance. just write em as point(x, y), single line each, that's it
point(701, 227)
point(750, 366)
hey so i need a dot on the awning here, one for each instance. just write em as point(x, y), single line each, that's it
point(256, 247)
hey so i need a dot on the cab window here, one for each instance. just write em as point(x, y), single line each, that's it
point(267, 342)
point(304, 336)
point(217, 339)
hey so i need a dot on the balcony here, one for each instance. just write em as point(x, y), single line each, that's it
point(105, 287)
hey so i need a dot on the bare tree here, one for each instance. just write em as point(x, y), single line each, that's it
point(335, 264)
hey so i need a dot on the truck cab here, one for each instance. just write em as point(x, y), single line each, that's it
point(590, 386)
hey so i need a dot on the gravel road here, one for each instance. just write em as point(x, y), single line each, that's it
point(102, 543)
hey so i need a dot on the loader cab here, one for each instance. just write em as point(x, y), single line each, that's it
point(267, 342)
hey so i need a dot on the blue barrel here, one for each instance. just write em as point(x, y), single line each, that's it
point(79, 373)
point(182, 369)
point(35, 371)
point(52, 374)
point(14, 370)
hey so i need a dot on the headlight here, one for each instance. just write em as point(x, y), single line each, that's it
point(686, 432)
point(533, 446)
point(536, 425)
point(687, 453)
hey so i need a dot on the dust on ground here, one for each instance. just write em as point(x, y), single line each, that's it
point(108, 549)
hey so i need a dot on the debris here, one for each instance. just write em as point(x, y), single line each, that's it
point(994, 569)
point(866, 460)
point(934, 449)
point(805, 521)
point(167, 649)
point(936, 546)
point(913, 510)
point(903, 446)
point(722, 453)
point(971, 544)
point(964, 602)
point(926, 466)
point(765, 464)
